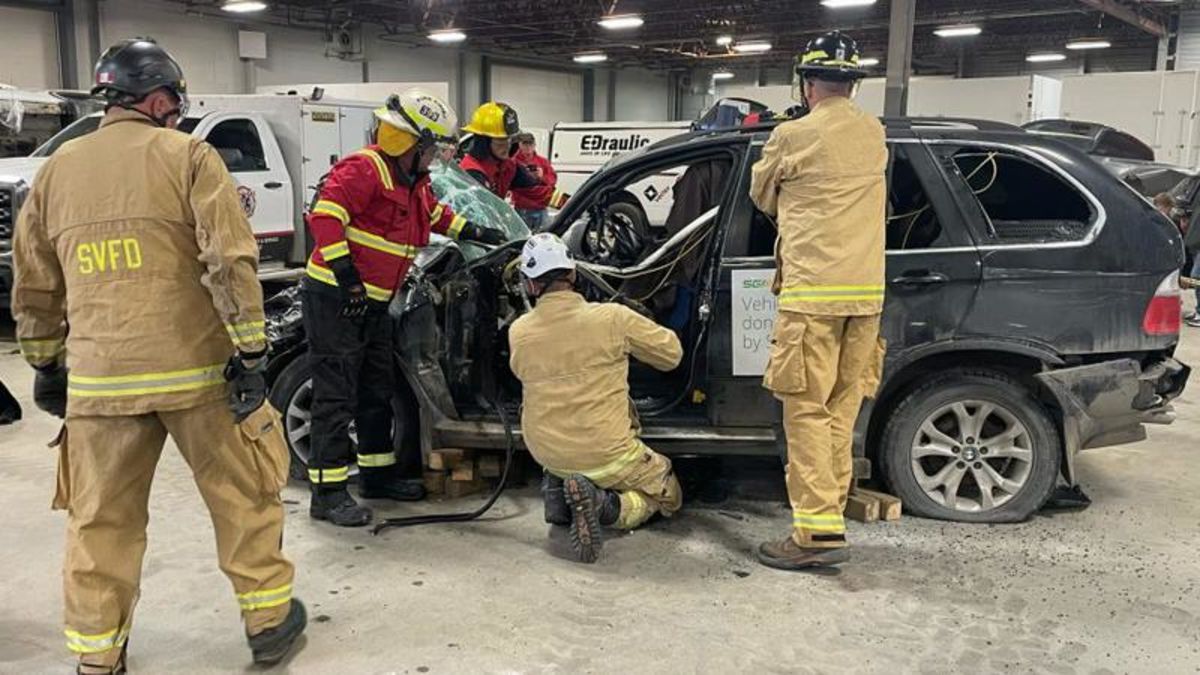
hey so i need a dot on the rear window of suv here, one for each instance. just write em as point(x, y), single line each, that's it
point(1020, 199)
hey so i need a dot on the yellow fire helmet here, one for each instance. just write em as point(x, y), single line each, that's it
point(414, 117)
point(494, 120)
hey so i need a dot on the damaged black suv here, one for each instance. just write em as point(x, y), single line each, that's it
point(1033, 310)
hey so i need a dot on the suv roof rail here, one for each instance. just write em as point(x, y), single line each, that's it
point(961, 123)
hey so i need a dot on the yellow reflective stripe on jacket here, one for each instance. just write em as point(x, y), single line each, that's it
point(326, 476)
point(456, 227)
point(333, 209)
point(273, 597)
point(830, 293)
point(326, 276)
point(335, 251)
point(437, 212)
point(819, 522)
point(558, 199)
point(377, 460)
point(93, 644)
point(385, 176)
point(247, 333)
point(378, 243)
point(41, 350)
point(633, 454)
point(146, 383)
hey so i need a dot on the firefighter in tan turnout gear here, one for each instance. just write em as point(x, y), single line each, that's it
point(822, 177)
point(136, 267)
point(572, 358)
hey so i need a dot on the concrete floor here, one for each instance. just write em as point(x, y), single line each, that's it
point(1112, 589)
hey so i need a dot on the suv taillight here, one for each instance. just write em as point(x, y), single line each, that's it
point(1165, 312)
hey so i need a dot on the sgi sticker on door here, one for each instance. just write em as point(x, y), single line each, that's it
point(753, 318)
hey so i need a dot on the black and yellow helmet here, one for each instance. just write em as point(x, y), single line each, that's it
point(833, 56)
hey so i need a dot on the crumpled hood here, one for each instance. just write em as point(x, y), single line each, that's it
point(13, 169)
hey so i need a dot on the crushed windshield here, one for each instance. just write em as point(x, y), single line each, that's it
point(476, 203)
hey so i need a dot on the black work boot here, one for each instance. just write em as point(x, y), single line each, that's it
point(270, 646)
point(387, 485)
point(119, 669)
point(790, 556)
point(339, 508)
point(558, 512)
point(591, 508)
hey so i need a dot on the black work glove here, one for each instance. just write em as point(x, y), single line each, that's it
point(483, 235)
point(50, 389)
point(247, 375)
point(354, 294)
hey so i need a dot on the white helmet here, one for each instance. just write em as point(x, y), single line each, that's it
point(544, 253)
point(421, 114)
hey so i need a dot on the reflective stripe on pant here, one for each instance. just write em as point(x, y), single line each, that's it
point(645, 482)
point(821, 368)
point(106, 467)
point(353, 380)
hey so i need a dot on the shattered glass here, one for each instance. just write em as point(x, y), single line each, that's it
point(468, 198)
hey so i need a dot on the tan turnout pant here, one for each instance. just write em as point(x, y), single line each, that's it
point(821, 368)
point(106, 466)
point(643, 479)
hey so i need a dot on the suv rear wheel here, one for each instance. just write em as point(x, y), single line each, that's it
point(971, 445)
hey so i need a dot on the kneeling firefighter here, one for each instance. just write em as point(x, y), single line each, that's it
point(490, 160)
point(374, 211)
point(577, 419)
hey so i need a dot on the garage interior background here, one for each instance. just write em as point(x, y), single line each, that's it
point(521, 51)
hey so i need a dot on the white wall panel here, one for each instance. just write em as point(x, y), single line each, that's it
point(28, 49)
point(206, 48)
point(542, 98)
point(642, 95)
point(299, 56)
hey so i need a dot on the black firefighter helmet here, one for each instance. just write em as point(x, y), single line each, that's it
point(131, 69)
point(833, 56)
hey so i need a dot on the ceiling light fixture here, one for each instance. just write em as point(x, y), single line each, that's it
point(1089, 43)
point(725, 40)
point(958, 31)
point(722, 75)
point(590, 58)
point(622, 22)
point(868, 62)
point(447, 36)
point(243, 6)
point(840, 4)
point(1046, 57)
point(752, 47)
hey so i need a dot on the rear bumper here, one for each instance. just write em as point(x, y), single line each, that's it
point(1109, 403)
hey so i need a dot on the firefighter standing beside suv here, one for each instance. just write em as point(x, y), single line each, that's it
point(134, 238)
point(823, 177)
point(374, 211)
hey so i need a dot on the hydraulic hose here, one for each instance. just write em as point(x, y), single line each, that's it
point(410, 521)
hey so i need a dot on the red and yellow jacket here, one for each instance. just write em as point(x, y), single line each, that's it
point(368, 212)
point(537, 197)
point(503, 177)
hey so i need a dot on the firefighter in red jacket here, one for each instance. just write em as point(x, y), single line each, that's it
point(531, 203)
point(490, 160)
point(374, 212)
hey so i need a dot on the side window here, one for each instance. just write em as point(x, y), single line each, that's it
point(1118, 144)
point(238, 144)
point(912, 219)
point(1021, 200)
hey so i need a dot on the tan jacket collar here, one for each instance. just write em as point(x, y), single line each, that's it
point(115, 115)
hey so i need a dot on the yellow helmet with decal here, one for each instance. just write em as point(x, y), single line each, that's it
point(494, 120)
point(414, 117)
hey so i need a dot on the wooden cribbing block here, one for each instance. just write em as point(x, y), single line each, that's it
point(890, 506)
point(435, 482)
point(442, 460)
point(489, 466)
point(862, 509)
point(463, 472)
point(462, 488)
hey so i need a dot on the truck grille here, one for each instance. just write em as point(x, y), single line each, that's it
point(8, 214)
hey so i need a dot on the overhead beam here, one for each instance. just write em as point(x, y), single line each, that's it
point(1129, 16)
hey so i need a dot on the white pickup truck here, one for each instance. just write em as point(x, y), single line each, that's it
point(276, 147)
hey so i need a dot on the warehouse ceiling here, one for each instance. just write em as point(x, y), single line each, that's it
point(682, 35)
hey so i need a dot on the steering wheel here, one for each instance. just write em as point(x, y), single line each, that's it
point(614, 235)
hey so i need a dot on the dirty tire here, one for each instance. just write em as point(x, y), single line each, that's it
point(970, 391)
point(290, 387)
